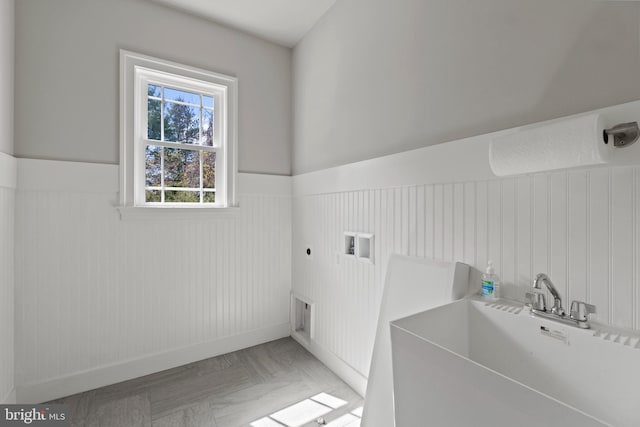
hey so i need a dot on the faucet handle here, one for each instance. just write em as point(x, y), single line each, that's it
point(580, 311)
point(536, 301)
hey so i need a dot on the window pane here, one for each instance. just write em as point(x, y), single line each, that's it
point(152, 166)
point(207, 127)
point(181, 123)
point(207, 101)
point(153, 90)
point(181, 168)
point(152, 196)
point(153, 119)
point(209, 197)
point(172, 196)
point(182, 96)
point(209, 169)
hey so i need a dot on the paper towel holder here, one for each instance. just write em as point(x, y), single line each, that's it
point(624, 134)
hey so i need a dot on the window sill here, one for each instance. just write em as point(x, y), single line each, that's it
point(175, 213)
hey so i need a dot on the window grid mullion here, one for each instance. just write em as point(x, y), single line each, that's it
point(180, 145)
point(162, 151)
point(200, 132)
point(201, 155)
point(162, 175)
point(175, 101)
point(157, 188)
point(162, 115)
point(201, 176)
point(192, 189)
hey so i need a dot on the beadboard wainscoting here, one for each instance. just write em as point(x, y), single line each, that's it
point(101, 300)
point(582, 227)
point(7, 210)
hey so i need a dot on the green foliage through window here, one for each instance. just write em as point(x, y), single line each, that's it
point(176, 116)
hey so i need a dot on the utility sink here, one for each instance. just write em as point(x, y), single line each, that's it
point(490, 363)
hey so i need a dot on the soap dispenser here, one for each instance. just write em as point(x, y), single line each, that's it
point(490, 282)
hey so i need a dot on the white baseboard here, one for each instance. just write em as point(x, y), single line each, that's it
point(338, 366)
point(10, 397)
point(126, 370)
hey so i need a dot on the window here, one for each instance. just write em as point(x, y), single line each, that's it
point(178, 131)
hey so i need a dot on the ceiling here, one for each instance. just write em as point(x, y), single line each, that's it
point(281, 21)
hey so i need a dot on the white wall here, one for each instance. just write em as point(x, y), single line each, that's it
point(67, 77)
point(7, 202)
point(101, 299)
point(376, 77)
point(582, 227)
point(7, 304)
point(7, 8)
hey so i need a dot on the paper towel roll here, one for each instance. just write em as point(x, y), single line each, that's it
point(560, 144)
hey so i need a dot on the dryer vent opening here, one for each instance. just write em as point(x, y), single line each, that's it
point(302, 318)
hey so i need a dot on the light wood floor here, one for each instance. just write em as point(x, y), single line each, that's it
point(232, 390)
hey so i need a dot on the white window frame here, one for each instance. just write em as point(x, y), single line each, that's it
point(136, 71)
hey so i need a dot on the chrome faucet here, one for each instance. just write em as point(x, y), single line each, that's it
point(557, 301)
point(580, 311)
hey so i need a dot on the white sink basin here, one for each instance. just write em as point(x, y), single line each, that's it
point(477, 363)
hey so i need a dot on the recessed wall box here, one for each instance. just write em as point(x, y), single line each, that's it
point(364, 246)
point(302, 314)
point(350, 244)
point(359, 246)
